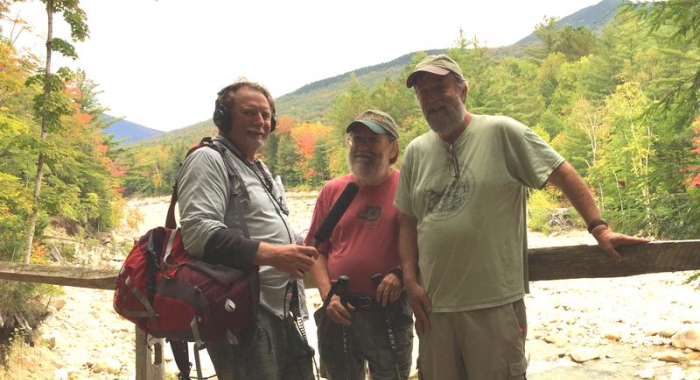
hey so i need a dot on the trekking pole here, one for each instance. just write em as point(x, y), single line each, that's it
point(376, 280)
point(342, 292)
point(198, 345)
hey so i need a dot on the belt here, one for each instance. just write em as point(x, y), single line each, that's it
point(362, 301)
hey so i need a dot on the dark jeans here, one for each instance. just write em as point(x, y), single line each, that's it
point(367, 342)
point(274, 352)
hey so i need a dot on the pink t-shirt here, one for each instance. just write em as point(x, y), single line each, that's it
point(365, 241)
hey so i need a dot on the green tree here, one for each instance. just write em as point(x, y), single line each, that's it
point(319, 162)
point(288, 157)
point(52, 103)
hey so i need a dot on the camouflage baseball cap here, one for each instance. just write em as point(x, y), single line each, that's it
point(379, 122)
point(437, 64)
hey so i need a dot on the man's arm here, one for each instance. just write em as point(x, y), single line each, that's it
point(566, 179)
point(408, 252)
point(290, 258)
point(203, 197)
point(335, 310)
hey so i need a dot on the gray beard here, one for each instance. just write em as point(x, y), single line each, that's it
point(367, 172)
point(446, 119)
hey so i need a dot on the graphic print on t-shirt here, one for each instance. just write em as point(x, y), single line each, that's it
point(370, 213)
point(447, 202)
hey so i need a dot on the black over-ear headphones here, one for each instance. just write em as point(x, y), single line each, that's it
point(222, 114)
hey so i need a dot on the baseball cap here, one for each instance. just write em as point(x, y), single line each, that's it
point(439, 64)
point(379, 122)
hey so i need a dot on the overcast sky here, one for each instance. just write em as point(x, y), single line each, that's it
point(161, 63)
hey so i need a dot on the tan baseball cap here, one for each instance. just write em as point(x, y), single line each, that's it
point(379, 122)
point(437, 64)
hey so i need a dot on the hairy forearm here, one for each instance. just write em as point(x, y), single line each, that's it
point(408, 248)
point(566, 179)
point(320, 272)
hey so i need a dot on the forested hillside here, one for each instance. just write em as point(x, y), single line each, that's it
point(621, 106)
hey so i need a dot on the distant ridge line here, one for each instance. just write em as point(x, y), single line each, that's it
point(402, 60)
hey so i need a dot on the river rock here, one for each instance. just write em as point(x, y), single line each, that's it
point(671, 356)
point(646, 373)
point(58, 303)
point(613, 335)
point(676, 374)
point(584, 354)
point(688, 337)
point(668, 332)
point(557, 340)
point(108, 365)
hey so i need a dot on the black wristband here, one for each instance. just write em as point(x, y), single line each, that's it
point(596, 223)
point(398, 272)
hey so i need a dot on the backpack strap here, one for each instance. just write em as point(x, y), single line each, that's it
point(170, 218)
point(179, 348)
point(232, 174)
point(234, 178)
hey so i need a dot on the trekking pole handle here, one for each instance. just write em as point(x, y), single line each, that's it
point(376, 279)
point(342, 289)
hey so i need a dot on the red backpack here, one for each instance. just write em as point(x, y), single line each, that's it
point(170, 294)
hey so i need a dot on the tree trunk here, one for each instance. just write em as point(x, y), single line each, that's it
point(40, 162)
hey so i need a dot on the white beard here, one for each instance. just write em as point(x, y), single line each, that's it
point(445, 119)
point(367, 172)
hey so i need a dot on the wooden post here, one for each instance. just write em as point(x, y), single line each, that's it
point(149, 357)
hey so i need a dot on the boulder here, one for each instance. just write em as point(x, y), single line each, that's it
point(688, 337)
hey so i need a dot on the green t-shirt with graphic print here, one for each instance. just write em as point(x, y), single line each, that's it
point(469, 199)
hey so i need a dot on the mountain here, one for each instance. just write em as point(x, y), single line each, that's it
point(127, 131)
point(312, 102)
point(594, 18)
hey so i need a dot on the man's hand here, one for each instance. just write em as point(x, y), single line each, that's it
point(337, 312)
point(421, 306)
point(389, 289)
point(293, 259)
point(609, 240)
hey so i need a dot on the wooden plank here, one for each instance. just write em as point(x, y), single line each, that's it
point(589, 261)
point(553, 263)
point(60, 275)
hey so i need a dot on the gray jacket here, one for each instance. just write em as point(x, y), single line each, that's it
point(210, 225)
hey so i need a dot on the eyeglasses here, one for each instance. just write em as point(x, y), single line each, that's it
point(368, 140)
point(454, 162)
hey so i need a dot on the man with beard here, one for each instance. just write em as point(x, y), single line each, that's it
point(463, 236)
point(376, 325)
point(239, 219)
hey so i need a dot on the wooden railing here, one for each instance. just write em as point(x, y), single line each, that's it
point(554, 263)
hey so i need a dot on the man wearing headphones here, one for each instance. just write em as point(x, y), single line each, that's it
point(241, 221)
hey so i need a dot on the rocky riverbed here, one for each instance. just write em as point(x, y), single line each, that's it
point(641, 327)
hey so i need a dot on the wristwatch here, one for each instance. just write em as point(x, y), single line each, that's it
point(596, 223)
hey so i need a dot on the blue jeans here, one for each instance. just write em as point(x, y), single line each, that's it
point(367, 342)
point(274, 351)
